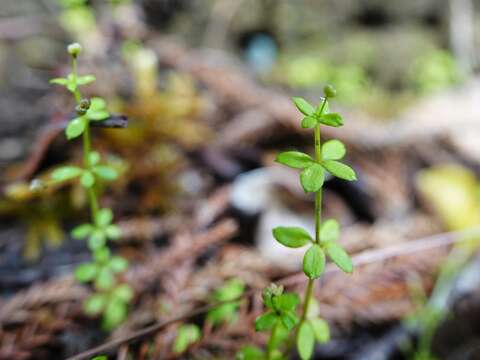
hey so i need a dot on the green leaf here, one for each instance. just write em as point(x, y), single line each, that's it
point(266, 321)
point(95, 303)
point(289, 319)
point(115, 313)
point(124, 292)
point(66, 173)
point(86, 272)
point(97, 115)
point(118, 264)
point(295, 159)
point(85, 80)
point(82, 231)
point(113, 232)
point(87, 179)
point(75, 127)
point(320, 330)
point(331, 119)
point(96, 240)
point(105, 172)
point(314, 262)
point(329, 230)
point(97, 103)
point(104, 217)
point(226, 313)
point(340, 170)
point(186, 335)
point(305, 341)
point(269, 292)
point(59, 81)
point(102, 255)
point(97, 109)
point(333, 150)
point(309, 122)
point(249, 352)
point(285, 302)
point(232, 290)
point(267, 298)
point(71, 83)
point(279, 336)
point(292, 237)
point(105, 279)
point(303, 106)
point(94, 158)
point(339, 256)
point(313, 309)
point(312, 178)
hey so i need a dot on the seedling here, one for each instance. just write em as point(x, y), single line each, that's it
point(281, 317)
point(187, 335)
point(111, 297)
point(228, 293)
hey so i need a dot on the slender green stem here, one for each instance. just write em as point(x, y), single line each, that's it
point(92, 195)
point(308, 299)
point(76, 92)
point(271, 343)
point(318, 213)
point(318, 194)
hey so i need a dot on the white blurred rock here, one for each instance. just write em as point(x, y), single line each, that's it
point(256, 192)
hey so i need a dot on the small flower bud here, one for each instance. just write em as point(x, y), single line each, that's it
point(83, 107)
point(74, 49)
point(329, 91)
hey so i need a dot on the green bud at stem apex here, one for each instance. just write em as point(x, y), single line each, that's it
point(329, 91)
point(74, 49)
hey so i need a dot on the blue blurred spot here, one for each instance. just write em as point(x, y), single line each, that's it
point(261, 53)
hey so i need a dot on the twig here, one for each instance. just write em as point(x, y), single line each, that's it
point(367, 257)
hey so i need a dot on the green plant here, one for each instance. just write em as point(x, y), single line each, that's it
point(451, 191)
point(434, 71)
point(226, 312)
point(77, 17)
point(281, 317)
point(187, 335)
point(111, 297)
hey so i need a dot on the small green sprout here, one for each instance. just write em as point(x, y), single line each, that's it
point(111, 298)
point(226, 313)
point(281, 316)
point(187, 335)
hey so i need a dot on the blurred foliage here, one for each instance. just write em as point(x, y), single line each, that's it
point(187, 334)
point(77, 17)
point(162, 125)
point(452, 191)
point(226, 313)
point(307, 71)
point(433, 71)
point(39, 211)
point(42, 205)
point(380, 72)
